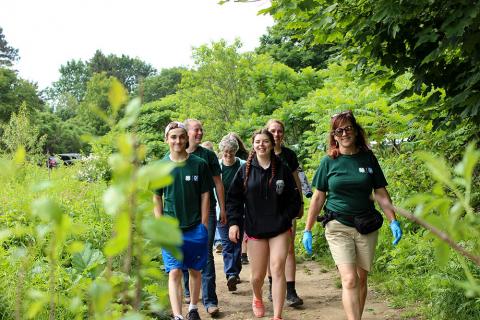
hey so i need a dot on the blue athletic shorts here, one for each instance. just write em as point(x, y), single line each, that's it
point(194, 250)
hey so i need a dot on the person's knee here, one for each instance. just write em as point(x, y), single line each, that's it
point(349, 281)
point(277, 269)
point(176, 274)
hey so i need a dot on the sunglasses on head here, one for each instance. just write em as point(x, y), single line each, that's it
point(339, 131)
point(342, 113)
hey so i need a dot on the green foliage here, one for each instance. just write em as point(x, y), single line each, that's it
point(436, 41)
point(158, 86)
point(8, 54)
point(13, 92)
point(218, 87)
point(64, 235)
point(282, 44)
point(21, 132)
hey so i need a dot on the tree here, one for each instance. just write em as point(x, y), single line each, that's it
point(128, 70)
point(437, 41)
point(95, 103)
point(13, 92)
point(21, 132)
point(297, 53)
point(8, 54)
point(218, 87)
point(158, 86)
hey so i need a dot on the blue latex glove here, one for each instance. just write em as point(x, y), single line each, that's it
point(307, 241)
point(396, 231)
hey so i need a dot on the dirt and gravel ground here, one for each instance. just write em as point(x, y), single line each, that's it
point(317, 286)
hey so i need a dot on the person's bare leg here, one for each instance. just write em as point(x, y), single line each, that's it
point(278, 255)
point(350, 296)
point(258, 256)
point(195, 284)
point(362, 288)
point(175, 290)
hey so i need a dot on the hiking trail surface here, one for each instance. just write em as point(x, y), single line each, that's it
point(315, 284)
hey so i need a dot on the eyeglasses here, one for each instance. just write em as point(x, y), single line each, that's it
point(339, 131)
point(342, 113)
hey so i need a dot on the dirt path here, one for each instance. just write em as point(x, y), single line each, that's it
point(317, 287)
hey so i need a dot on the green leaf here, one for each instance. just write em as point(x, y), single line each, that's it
point(88, 259)
point(117, 95)
point(20, 155)
point(5, 234)
point(119, 243)
point(155, 175)
point(131, 113)
point(164, 232)
point(437, 166)
point(39, 299)
point(102, 293)
point(47, 210)
point(470, 160)
point(113, 200)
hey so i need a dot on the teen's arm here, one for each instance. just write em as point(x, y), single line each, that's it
point(157, 205)
point(205, 207)
point(220, 198)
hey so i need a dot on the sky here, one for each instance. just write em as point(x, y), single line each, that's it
point(49, 33)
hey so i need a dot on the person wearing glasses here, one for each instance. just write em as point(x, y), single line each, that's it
point(187, 199)
point(264, 198)
point(347, 181)
point(231, 252)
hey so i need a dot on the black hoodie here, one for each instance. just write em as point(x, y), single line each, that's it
point(268, 209)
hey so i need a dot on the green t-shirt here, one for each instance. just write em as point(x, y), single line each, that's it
point(348, 182)
point(182, 198)
point(228, 173)
point(212, 161)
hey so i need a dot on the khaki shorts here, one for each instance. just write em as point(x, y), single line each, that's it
point(348, 246)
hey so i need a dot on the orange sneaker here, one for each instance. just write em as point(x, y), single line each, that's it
point(258, 308)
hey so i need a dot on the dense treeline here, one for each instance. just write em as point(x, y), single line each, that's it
point(409, 71)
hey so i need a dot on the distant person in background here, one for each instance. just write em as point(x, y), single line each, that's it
point(344, 182)
point(231, 252)
point(242, 153)
point(195, 135)
point(208, 145)
point(217, 241)
point(289, 158)
point(264, 198)
point(186, 199)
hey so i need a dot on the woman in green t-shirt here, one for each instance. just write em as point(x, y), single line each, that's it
point(345, 182)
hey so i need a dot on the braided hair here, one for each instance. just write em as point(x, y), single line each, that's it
point(253, 153)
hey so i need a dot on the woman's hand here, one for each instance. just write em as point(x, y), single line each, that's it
point(234, 233)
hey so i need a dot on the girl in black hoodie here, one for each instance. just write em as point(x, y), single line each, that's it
point(264, 193)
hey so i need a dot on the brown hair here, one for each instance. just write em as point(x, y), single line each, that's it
point(273, 162)
point(271, 121)
point(360, 140)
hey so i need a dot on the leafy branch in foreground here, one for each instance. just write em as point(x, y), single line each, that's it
point(448, 210)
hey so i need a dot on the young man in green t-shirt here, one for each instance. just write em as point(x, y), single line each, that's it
point(188, 200)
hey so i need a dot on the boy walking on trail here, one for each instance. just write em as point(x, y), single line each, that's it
point(186, 199)
point(195, 134)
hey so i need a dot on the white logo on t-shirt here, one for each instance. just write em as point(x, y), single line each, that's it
point(187, 178)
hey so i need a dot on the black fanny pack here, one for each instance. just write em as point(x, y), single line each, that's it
point(364, 223)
